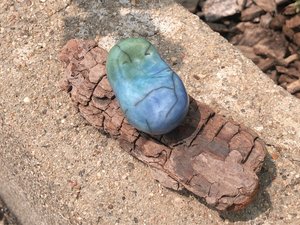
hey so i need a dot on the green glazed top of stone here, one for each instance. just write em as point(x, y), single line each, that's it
point(130, 54)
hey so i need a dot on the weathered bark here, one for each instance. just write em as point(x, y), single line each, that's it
point(208, 155)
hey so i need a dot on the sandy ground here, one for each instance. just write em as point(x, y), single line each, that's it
point(66, 172)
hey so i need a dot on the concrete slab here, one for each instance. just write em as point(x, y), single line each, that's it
point(56, 169)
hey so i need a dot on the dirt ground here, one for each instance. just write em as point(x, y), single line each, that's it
point(66, 172)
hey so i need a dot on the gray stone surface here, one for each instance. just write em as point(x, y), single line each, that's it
point(217, 9)
point(191, 5)
point(56, 169)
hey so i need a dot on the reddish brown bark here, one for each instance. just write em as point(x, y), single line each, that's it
point(208, 155)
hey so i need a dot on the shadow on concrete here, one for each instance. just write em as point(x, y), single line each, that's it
point(6, 216)
point(102, 18)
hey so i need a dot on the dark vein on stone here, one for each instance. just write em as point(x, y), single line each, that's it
point(146, 52)
point(125, 53)
point(160, 71)
point(148, 125)
point(150, 92)
point(174, 88)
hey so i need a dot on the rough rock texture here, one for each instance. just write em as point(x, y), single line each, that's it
point(267, 5)
point(208, 155)
point(216, 9)
point(191, 5)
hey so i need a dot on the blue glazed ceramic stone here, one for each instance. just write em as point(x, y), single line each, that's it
point(151, 95)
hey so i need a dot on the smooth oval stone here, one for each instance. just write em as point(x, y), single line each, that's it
point(151, 95)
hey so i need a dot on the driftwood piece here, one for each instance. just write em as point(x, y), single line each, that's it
point(208, 155)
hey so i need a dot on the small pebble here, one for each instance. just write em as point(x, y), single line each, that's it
point(174, 60)
point(259, 128)
point(26, 100)
point(178, 200)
